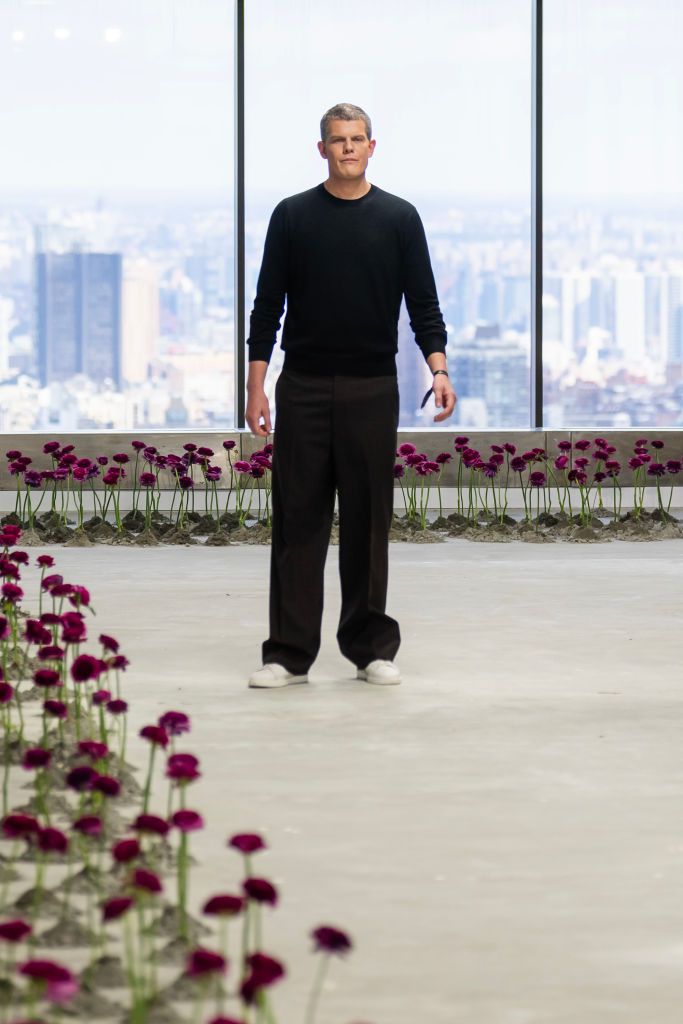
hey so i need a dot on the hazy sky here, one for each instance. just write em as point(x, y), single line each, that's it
point(139, 94)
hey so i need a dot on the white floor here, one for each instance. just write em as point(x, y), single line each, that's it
point(502, 834)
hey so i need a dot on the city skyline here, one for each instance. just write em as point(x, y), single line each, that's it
point(613, 313)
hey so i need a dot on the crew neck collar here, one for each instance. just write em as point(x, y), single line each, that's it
point(338, 201)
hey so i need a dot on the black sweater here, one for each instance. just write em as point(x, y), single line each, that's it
point(344, 265)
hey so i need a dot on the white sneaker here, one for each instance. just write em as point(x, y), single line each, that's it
point(379, 671)
point(272, 674)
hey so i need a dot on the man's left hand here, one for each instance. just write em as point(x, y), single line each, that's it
point(444, 396)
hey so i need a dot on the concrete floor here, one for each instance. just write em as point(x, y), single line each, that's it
point(501, 835)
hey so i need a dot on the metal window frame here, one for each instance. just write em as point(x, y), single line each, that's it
point(536, 362)
point(536, 308)
point(240, 337)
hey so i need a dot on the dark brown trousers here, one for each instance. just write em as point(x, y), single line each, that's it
point(332, 434)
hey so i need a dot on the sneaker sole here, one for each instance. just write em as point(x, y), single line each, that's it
point(377, 682)
point(278, 685)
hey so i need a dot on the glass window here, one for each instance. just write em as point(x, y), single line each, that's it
point(447, 87)
point(613, 233)
point(116, 222)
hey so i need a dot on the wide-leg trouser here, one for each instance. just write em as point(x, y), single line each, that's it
point(332, 433)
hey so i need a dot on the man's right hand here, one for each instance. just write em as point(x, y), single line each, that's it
point(257, 407)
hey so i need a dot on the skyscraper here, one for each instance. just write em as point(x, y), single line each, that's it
point(78, 315)
point(494, 369)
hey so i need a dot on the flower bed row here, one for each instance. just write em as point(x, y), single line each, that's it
point(575, 495)
point(105, 928)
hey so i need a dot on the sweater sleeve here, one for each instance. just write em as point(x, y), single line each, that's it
point(419, 289)
point(271, 288)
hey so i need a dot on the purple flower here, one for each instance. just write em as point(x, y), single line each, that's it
point(187, 821)
point(46, 677)
point(175, 722)
point(20, 826)
point(11, 592)
point(15, 930)
point(108, 642)
point(36, 757)
point(156, 735)
point(116, 907)
point(399, 470)
point(52, 840)
point(88, 825)
point(107, 785)
point(125, 850)
point(246, 842)
point(201, 962)
point(260, 890)
point(152, 824)
point(537, 479)
point(406, 449)
point(80, 777)
point(331, 940)
point(93, 749)
point(264, 971)
point(85, 667)
point(52, 652)
point(59, 984)
point(224, 904)
point(146, 880)
point(56, 708)
point(182, 768)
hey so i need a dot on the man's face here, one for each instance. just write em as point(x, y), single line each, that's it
point(347, 149)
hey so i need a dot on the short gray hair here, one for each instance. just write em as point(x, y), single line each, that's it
point(344, 112)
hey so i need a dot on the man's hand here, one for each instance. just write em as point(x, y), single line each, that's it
point(257, 407)
point(444, 396)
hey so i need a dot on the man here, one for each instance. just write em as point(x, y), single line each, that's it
point(344, 253)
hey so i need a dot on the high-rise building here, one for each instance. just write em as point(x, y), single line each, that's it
point(629, 314)
point(493, 369)
point(140, 319)
point(673, 322)
point(78, 316)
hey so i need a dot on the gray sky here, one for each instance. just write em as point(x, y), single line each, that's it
point(446, 84)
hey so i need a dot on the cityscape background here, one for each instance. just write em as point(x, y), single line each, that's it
point(117, 304)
